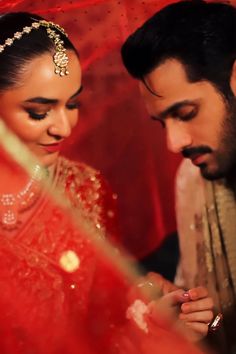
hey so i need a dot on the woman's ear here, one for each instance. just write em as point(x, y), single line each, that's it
point(233, 79)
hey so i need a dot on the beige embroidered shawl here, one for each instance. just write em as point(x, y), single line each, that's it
point(206, 222)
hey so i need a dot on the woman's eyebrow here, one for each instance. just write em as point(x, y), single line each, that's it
point(77, 92)
point(44, 100)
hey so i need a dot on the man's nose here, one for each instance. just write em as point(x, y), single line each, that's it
point(178, 136)
point(61, 126)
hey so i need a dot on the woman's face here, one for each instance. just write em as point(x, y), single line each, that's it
point(43, 109)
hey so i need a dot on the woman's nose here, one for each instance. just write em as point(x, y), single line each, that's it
point(61, 126)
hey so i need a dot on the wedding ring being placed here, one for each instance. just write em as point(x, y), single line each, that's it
point(215, 324)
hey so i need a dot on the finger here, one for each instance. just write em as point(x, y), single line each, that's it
point(168, 305)
point(144, 289)
point(168, 287)
point(155, 277)
point(198, 305)
point(198, 293)
point(165, 285)
point(177, 297)
point(202, 316)
point(198, 327)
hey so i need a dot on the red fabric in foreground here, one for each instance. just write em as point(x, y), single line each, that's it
point(60, 294)
point(115, 134)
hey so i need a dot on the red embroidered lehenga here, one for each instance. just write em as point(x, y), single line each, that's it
point(58, 295)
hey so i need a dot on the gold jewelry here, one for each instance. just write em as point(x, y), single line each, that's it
point(60, 57)
point(12, 204)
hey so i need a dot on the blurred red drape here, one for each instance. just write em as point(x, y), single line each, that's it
point(115, 134)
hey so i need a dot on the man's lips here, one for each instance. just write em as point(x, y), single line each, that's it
point(198, 154)
point(55, 147)
point(198, 159)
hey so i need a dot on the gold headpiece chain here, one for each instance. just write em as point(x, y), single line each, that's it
point(60, 57)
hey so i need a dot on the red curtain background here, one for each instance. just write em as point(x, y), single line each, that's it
point(115, 134)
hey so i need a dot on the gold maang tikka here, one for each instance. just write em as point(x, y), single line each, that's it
point(60, 57)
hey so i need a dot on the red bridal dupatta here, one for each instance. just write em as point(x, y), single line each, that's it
point(60, 291)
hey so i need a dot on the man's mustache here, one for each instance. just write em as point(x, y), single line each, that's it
point(199, 150)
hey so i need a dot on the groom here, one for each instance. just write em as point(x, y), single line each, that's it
point(185, 60)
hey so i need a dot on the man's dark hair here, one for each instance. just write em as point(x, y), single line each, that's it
point(202, 36)
point(23, 50)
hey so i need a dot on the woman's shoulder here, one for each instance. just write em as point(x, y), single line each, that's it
point(78, 171)
point(87, 189)
point(81, 178)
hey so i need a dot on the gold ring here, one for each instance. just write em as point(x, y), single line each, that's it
point(215, 324)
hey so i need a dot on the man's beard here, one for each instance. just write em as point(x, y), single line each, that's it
point(225, 156)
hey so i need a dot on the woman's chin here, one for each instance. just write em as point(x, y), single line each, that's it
point(49, 159)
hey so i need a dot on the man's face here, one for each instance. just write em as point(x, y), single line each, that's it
point(198, 122)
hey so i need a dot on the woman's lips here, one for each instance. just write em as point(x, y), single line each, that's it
point(51, 148)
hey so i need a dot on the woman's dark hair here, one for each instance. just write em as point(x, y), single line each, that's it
point(15, 57)
point(202, 36)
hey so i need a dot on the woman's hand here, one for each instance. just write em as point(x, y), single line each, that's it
point(189, 312)
point(197, 313)
point(149, 287)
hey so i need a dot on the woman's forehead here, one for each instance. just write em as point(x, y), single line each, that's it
point(38, 77)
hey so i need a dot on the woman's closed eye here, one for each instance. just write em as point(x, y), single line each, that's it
point(73, 105)
point(36, 114)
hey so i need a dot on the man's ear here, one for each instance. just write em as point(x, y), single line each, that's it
point(233, 79)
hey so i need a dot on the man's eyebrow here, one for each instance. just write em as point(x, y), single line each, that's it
point(44, 100)
point(173, 108)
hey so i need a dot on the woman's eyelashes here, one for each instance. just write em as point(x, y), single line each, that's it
point(73, 105)
point(39, 115)
point(36, 115)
